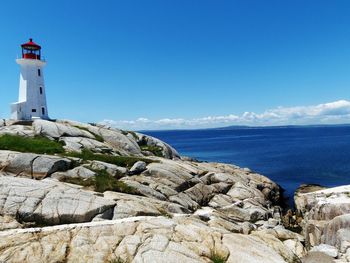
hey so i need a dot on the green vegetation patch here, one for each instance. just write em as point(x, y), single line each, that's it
point(124, 161)
point(102, 182)
point(217, 258)
point(38, 144)
point(156, 150)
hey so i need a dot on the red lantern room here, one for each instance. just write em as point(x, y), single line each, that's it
point(31, 50)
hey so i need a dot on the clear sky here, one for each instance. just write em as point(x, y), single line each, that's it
point(162, 62)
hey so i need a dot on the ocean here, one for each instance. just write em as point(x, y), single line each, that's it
point(290, 156)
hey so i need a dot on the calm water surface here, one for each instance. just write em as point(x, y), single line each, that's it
point(288, 155)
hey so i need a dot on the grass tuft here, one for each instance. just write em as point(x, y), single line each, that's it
point(217, 258)
point(102, 182)
point(38, 144)
point(156, 150)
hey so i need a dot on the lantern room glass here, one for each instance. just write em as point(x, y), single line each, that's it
point(31, 52)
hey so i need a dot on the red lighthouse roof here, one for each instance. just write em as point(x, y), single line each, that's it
point(31, 45)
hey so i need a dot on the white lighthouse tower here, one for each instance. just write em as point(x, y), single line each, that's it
point(32, 97)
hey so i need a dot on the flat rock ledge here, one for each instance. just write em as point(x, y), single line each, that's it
point(138, 239)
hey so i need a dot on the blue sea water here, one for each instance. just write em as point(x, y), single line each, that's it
point(289, 156)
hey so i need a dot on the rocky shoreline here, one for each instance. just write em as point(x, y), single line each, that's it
point(98, 194)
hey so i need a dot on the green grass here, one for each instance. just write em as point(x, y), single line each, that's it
point(38, 144)
point(100, 183)
point(124, 161)
point(217, 258)
point(156, 150)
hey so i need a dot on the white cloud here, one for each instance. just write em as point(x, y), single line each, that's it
point(327, 113)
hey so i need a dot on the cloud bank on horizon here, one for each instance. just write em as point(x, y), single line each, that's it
point(336, 112)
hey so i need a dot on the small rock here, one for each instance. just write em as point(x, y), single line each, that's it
point(138, 168)
point(326, 249)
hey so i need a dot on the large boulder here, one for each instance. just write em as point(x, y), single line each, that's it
point(138, 168)
point(21, 130)
point(32, 165)
point(119, 141)
point(326, 220)
point(49, 202)
point(130, 205)
point(77, 144)
point(57, 130)
point(324, 204)
point(167, 151)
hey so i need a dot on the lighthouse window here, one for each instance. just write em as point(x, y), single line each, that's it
point(41, 90)
point(33, 110)
point(39, 72)
point(43, 111)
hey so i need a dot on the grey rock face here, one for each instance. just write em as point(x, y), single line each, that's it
point(142, 239)
point(137, 168)
point(326, 249)
point(326, 219)
point(21, 130)
point(57, 130)
point(79, 171)
point(130, 205)
point(120, 142)
point(76, 144)
point(32, 165)
point(112, 169)
point(168, 151)
point(49, 202)
point(8, 222)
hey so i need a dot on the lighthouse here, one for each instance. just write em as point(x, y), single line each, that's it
point(32, 97)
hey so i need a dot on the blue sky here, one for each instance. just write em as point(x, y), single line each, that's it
point(135, 62)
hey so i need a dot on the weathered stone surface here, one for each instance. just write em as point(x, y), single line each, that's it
point(137, 168)
point(324, 204)
point(318, 257)
point(168, 151)
point(118, 141)
point(48, 201)
point(326, 249)
point(283, 234)
point(296, 247)
point(141, 239)
point(79, 171)
point(330, 231)
point(130, 205)
point(76, 144)
point(326, 219)
point(32, 165)
point(22, 130)
point(8, 222)
point(57, 130)
point(112, 169)
point(343, 240)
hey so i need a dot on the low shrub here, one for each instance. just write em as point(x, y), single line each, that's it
point(156, 150)
point(38, 144)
